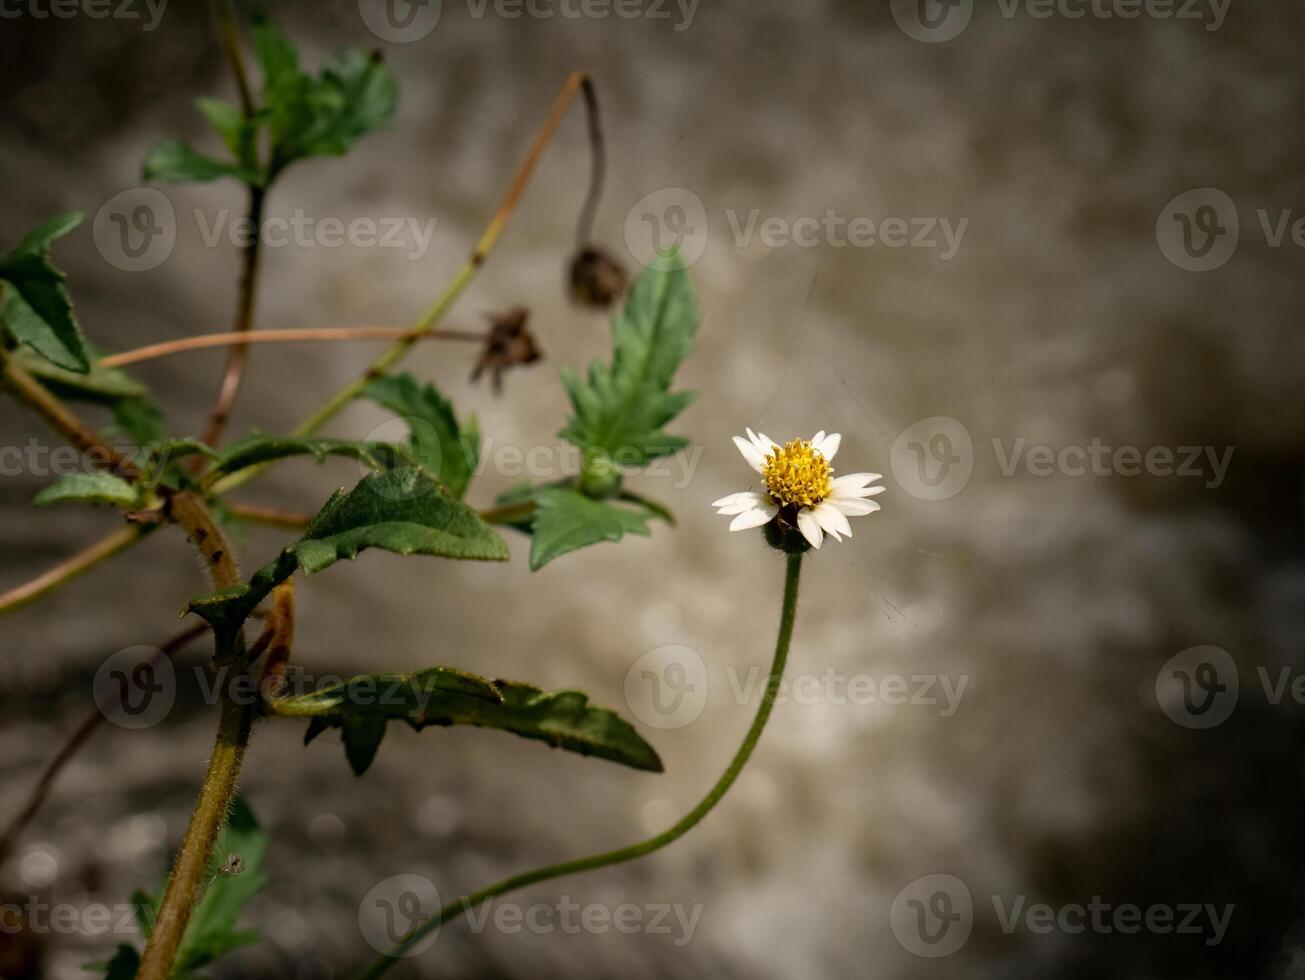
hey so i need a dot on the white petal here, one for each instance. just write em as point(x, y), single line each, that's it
point(763, 442)
point(832, 520)
point(726, 500)
point(853, 484)
point(740, 502)
point(854, 506)
point(827, 445)
point(751, 518)
point(810, 528)
point(856, 494)
point(750, 452)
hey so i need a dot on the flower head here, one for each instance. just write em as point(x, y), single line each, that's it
point(800, 488)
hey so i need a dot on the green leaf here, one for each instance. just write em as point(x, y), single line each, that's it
point(123, 966)
point(321, 116)
point(563, 719)
point(362, 705)
point(37, 309)
point(236, 131)
point(236, 875)
point(140, 419)
point(620, 409)
point(177, 162)
point(566, 519)
point(259, 448)
point(96, 488)
point(400, 510)
point(447, 449)
point(100, 384)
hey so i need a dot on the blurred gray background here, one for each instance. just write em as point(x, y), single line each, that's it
point(1057, 600)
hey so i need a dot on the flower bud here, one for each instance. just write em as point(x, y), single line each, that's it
point(596, 278)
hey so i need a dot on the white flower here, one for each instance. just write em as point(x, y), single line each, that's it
point(799, 485)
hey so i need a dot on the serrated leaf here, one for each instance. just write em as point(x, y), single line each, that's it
point(37, 309)
point(566, 519)
point(362, 705)
point(259, 448)
point(400, 510)
point(620, 409)
point(563, 719)
point(91, 488)
point(448, 449)
point(321, 116)
point(177, 162)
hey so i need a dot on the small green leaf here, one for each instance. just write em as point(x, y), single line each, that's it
point(399, 510)
point(123, 966)
point(566, 520)
point(177, 162)
point(94, 488)
point(321, 116)
point(262, 448)
point(101, 385)
point(449, 450)
point(620, 410)
point(236, 875)
point(362, 706)
point(37, 309)
point(236, 131)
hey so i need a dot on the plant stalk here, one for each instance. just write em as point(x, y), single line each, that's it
point(788, 613)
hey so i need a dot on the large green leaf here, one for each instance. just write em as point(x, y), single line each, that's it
point(94, 488)
point(258, 447)
point(362, 705)
point(563, 719)
point(399, 510)
point(620, 409)
point(447, 448)
point(566, 519)
point(37, 311)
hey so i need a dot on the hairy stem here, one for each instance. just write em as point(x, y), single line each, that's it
point(234, 726)
point(67, 425)
point(685, 824)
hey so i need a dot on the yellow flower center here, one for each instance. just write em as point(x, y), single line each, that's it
point(797, 474)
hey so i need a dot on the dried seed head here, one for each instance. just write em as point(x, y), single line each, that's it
point(596, 278)
point(508, 344)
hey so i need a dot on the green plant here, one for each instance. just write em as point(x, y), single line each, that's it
point(413, 500)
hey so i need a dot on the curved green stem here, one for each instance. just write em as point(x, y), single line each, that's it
point(620, 855)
